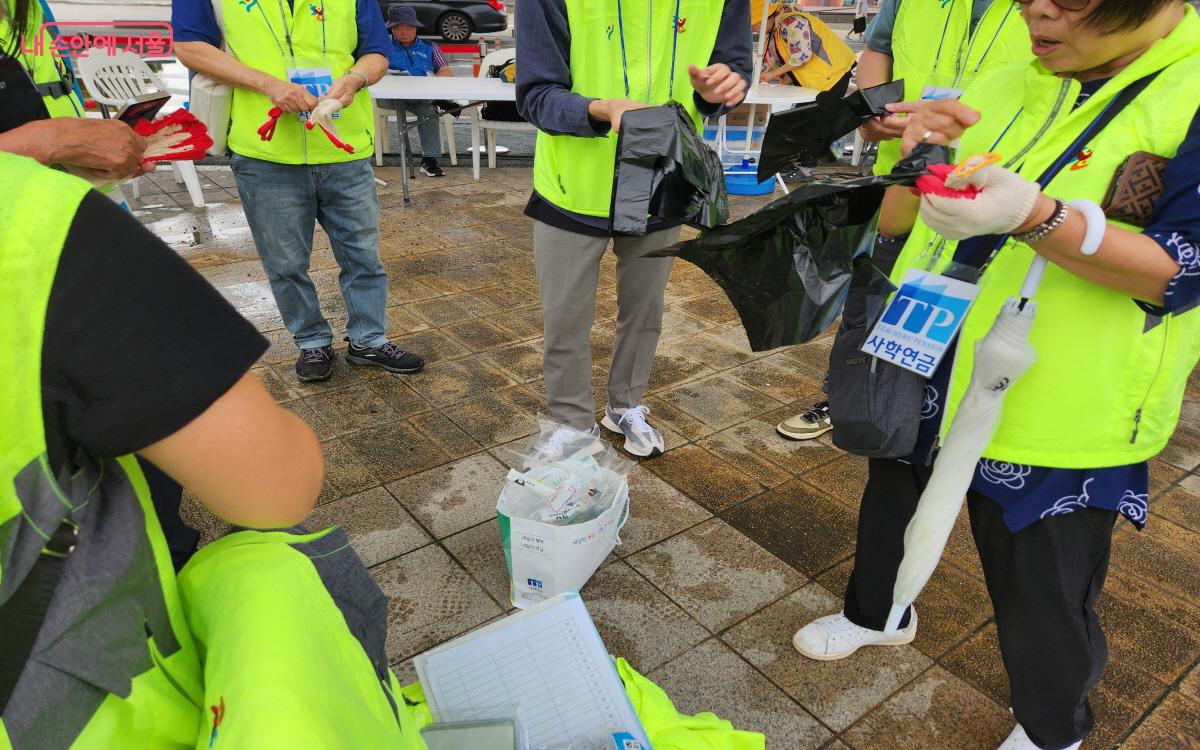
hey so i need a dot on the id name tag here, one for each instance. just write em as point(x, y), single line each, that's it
point(920, 321)
point(318, 81)
point(941, 92)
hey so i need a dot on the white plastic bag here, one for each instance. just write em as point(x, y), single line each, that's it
point(212, 101)
point(559, 520)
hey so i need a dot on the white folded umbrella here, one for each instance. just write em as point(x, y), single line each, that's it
point(1001, 358)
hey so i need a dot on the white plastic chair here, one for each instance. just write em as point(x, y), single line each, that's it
point(497, 57)
point(112, 80)
point(383, 123)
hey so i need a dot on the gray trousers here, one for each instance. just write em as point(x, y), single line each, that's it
point(568, 269)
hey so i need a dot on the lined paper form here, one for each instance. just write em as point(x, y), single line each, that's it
point(549, 660)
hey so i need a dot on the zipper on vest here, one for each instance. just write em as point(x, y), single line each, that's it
point(1162, 354)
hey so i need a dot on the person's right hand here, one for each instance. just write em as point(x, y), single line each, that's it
point(108, 149)
point(890, 126)
point(941, 121)
point(611, 110)
point(290, 97)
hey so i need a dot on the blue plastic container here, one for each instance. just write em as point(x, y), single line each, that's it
point(743, 180)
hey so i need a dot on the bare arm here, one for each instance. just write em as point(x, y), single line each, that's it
point(108, 149)
point(366, 70)
point(1128, 262)
point(219, 65)
point(247, 459)
point(874, 69)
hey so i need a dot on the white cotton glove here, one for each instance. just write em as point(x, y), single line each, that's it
point(322, 114)
point(1003, 203)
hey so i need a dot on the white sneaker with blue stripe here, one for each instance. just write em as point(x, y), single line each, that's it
point(641, 439)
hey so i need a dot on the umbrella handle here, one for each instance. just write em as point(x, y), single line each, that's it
point(1033, 277)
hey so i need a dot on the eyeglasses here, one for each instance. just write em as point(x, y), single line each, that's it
point(1071, 5)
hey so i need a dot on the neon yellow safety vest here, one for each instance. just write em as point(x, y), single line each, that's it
point(323, 34)
point(576, 173)
point(933, 45)
point(94, 679)
point(217, 670)
point(817, 74)
point(1108, 384)
point(35, 54)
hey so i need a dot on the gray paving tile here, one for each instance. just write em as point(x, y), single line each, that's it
point(478, 549)
point(937, 711)
point(453, 497)
point(718, 401)
point(379, 529)
point(711, 677)
point(836, 692)
point(716, 574)
point(656, 511)
point(635, 620)
point(431, 600)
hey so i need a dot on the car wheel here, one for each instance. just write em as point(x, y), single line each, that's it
point(455, 27)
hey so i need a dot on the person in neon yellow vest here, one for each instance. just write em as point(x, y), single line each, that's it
point(40, 115)
point(1115, 332)
point(288, 55)
point(103, 645)
point(584, 63)
point(937, 47)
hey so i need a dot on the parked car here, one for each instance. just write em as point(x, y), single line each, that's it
point(455, 20)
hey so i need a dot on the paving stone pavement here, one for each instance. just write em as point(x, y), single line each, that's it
point(736, 537)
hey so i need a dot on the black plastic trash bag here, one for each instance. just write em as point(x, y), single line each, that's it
point(787, 267)
point(665, 170)
point(806, 132)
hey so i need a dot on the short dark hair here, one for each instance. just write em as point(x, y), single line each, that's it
point(1118, 15)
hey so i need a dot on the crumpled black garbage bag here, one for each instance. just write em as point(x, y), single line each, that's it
point(802, 134)
point(665, 170)
point(787, 267)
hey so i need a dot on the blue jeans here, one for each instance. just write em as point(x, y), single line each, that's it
point(430, 129)
point(282, 203)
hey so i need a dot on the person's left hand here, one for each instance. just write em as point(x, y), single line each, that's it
point(1004, 203)
point(718, 84)
point(345, 88)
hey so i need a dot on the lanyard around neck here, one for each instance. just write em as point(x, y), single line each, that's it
point(290, 52)
point(674, 50)
point(959, 59)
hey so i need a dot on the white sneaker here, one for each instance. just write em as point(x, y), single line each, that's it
point(566, 441)
point(835, 637)
point(640, 438)
point(1018, 740)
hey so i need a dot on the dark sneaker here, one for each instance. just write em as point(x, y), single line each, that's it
point(388, 356)
point(430, 168)
point(315, 364)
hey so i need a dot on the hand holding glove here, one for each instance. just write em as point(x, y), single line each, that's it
point(1001, 201)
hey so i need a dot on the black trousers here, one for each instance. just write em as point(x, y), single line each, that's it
point(1043, 582)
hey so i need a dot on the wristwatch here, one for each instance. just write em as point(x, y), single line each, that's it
point(1047, 227)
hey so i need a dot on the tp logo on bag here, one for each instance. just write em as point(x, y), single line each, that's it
point(534, 583)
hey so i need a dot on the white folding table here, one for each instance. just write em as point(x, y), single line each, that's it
point(425, 88)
